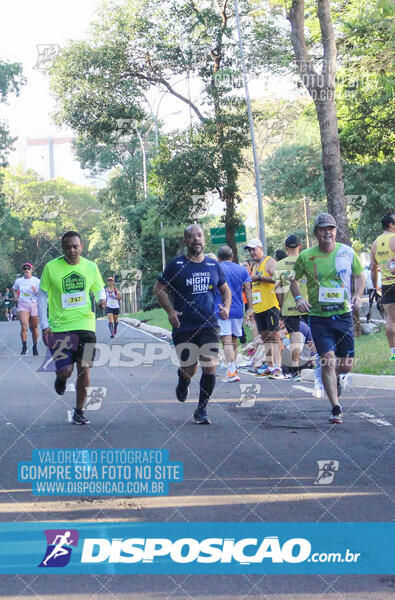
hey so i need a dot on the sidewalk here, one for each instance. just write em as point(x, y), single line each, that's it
point(355, 379)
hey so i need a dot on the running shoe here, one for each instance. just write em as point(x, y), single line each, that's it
point(182, 389)
point(296, 378)
point(200, 417)
point(245, 365)
point(336, 414)
point(318, 391)
point(112, 335)
point(276, 374)
point(24, 350)
point(342, 381)
point(60, 386)
point(35, 351)
point(79, 417)
point(230, 377)
point(263, 371)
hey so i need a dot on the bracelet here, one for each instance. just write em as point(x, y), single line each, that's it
point(297, 297)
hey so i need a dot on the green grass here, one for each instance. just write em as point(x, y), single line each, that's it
point(371, 351)
point(156, 316)
point(372, 354)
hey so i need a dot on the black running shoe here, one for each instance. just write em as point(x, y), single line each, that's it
point(79, 417)
point(24, 350)
point(336, 414)
point(182, 388)
point(60, 386)
point(35, 351)
point(200, 417)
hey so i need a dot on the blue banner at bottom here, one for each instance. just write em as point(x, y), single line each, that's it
point(197, 548)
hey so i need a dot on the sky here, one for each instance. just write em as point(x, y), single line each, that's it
point(25, 24)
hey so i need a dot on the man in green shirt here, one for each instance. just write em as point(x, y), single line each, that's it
point(69, 329)
point(284, 272)
point(329, 267)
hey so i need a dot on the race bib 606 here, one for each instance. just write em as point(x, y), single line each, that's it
point(331, 295)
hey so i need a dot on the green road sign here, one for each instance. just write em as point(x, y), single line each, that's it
point(218, 235)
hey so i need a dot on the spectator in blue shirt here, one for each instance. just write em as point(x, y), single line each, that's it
point(238, 278)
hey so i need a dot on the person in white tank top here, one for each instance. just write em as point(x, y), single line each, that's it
point(113, 297)
point(26, 293)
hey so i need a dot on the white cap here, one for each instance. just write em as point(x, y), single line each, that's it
point(255, 243)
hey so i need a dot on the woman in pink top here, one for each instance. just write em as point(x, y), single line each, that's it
point(26, 292)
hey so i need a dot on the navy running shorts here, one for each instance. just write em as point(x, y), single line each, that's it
point(334, 333)
point(192, 345)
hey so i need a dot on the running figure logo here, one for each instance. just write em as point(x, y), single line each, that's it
point(58, 551)
point(60, 346)
point(95, 397)
point(326, 471)
point(248, 394)
point(46, 56)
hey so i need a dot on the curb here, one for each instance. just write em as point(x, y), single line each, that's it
point(359, 379)
point(148, 328)
point(355, 379)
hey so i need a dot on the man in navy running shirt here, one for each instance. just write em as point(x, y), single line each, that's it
point(186, 291)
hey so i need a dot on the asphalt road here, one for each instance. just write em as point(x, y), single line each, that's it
point(256, 463)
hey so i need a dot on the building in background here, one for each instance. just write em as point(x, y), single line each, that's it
point(52, 156)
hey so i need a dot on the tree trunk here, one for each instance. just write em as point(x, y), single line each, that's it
point(331, 163)
point(321, 87)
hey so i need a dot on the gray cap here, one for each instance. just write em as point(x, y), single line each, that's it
point(324, 220)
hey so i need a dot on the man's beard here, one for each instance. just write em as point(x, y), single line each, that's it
point(195, 250)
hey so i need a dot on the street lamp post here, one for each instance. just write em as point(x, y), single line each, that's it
point(252, 133)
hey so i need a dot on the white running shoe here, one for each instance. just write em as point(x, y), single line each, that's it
point(318, 391)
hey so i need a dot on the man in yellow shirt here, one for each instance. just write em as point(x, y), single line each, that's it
point(284, 272)
point(266, 307)
point(383, 256)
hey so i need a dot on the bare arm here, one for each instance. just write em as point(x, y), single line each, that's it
point(301, 303)
point(280, 295)
point(226, 296)
point(162, 296)
point(248, 293)
point(270, 268)
point(359, 287)
point(374, 265)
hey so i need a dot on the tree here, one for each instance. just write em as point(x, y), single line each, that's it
point(320, 83)
point(11, 80)
point(44, 211)
point(137, 45)
point(365, 81)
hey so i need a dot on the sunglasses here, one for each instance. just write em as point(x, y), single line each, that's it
point(110, 280)
point(26, 268)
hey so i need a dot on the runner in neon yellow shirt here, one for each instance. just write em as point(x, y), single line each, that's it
point(383, 256)
point(69, 329)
